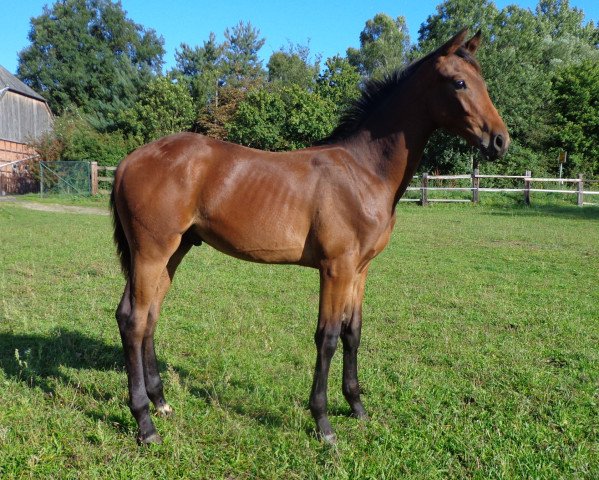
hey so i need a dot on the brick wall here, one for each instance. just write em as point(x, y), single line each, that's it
point(11, 151)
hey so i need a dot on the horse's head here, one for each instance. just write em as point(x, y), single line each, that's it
point(459, 101)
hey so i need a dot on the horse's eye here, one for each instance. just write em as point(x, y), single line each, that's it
point(459, 84)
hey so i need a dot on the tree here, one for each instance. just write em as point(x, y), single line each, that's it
point(88, 54)
point(285, 118)
point(164, 107)
point(576, 123)
point(384, 45)
point(453, 15)
point(259, 121)
point(339, 82)
point(215, 116)
point(200, 68)
point(74, 138)
point(292, 66)
point(240, 57)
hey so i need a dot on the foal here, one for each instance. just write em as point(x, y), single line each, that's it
point(329, 207)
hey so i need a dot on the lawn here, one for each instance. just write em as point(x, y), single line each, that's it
point(479, 355)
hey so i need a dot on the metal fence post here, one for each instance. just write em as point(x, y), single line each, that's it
point(580, 194)
point(527, 187)
point(424, 190)
point(475, 185)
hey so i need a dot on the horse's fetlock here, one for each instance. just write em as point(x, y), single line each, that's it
point(351, 389)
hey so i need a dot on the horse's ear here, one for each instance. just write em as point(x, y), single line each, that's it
point(472, 44)
point(456, 42)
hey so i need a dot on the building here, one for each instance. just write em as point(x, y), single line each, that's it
point(24, 116)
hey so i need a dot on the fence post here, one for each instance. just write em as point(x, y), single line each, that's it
point(94, 178)
point(580, 190)
point(527, 187)
point(41, 179)
point(424, 190)
point(475, 185)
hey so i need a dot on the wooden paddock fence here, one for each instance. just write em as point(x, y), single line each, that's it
point(102, 178)
point(434, 183)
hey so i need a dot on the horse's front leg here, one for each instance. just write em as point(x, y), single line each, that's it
point(336, 306)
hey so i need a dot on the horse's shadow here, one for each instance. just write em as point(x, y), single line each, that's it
point(44, 360)
point(40, 360)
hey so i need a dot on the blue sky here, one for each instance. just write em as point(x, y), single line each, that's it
point(329, 26)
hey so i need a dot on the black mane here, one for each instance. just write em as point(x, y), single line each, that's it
point(375, 92)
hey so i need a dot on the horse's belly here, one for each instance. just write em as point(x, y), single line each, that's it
point(256, 239)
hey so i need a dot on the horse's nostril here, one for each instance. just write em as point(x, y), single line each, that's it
point(498, 142)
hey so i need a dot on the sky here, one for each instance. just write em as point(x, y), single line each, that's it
point(329, 27)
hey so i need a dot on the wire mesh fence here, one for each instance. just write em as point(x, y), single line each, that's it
point(70, 178)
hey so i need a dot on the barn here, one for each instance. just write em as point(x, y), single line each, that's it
point(24, 116)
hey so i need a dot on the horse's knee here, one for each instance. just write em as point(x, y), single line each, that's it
point(326, 340)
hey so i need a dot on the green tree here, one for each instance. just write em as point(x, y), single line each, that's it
point(576, 108)
point(74, 138)
point(163, 107)
point(453, 15)
point(201, 69)
point(292, 66)
point(285, 118)
point(259, 121)
point(88, 54)
point(339, 82)
point(241, 63)
point(384, 45)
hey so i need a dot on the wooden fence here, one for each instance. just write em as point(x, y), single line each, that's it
point(475, 187)
point(102, 178)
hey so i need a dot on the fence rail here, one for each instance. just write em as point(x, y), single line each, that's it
point(102, 177)
point(475, 188)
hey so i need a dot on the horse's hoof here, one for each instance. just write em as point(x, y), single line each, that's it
point(328, 438)
point(151, 438)
point(164, 410)
point(363, 416)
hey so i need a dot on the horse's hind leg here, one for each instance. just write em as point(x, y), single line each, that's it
point(152, 379)
point(350, 336)
point(148, 265)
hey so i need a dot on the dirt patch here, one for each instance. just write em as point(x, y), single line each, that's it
point(52, 207)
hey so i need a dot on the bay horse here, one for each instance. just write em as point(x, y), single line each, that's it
point(330, 207)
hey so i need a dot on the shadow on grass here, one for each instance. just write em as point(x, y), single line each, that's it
point(257, 413)
point(37, 359)
point(571, 212)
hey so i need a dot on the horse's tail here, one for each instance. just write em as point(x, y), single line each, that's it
point(120, 239)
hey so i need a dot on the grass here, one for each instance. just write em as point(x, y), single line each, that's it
point(479, 356)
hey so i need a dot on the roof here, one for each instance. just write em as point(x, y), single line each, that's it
point(8, 80)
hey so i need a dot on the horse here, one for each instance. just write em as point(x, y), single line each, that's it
point(331, 207)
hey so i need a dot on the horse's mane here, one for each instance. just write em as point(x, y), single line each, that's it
point(375, 92)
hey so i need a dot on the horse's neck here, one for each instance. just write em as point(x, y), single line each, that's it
point(393, 148)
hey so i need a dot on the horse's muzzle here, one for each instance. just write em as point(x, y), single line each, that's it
point(497, 146)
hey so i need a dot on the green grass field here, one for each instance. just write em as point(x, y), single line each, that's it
point(479, 355)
